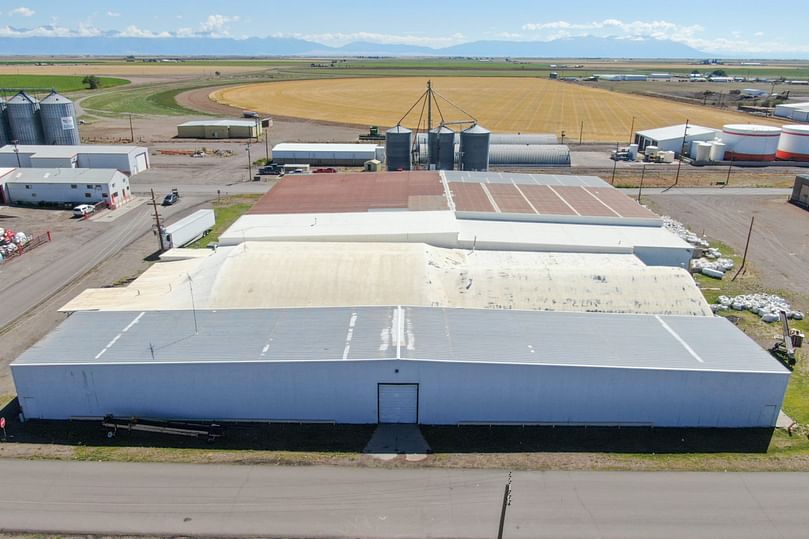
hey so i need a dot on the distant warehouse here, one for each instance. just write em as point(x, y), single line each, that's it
point(66, 186)
point(349, 155)
point(220, 129)
point(128, 159)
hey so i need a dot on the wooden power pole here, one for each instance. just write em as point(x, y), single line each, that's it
point(157, 221)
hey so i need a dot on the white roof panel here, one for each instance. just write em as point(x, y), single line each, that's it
point(70, 151)
point(63, 175)
point(323, 147)
point(676, 131)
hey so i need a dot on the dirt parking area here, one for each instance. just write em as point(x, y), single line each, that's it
point(779, 245)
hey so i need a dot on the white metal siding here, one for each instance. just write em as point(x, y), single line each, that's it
point(398, 403)
point(449, 393)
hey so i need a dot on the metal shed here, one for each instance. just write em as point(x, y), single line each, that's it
point(452, 366)
point(326, 153)
point(675, 137)
point(128, 159)
point(220, 129)
point(41, 186)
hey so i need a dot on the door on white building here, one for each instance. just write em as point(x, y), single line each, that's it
point(398, 403)
point(140, 162)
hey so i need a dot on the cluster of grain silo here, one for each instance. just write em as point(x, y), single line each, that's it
point(441, 148)
point(27, 121)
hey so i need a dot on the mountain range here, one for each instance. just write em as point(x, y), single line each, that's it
point(113, 45)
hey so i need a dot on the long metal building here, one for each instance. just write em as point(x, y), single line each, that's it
point(403, 365)
point(326, 153)
point(128, 159)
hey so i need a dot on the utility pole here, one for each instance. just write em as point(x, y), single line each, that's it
point(249, 164)
point(631, 130)
point(614, 163)
point(429, 105)
point(581, 132)
point(131, 130)
point(746, 246)
point(267, 144)
point(730, 167)
point(506, 503)
point(157, 222)
point(642, 174)
point(679, 161)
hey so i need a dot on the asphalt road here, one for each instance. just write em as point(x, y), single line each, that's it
point(219, 500)
point(30, 290)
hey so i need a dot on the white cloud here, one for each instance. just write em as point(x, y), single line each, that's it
point(134, 31)
point(338, 39)
point(22, 11)
point(691, 35)
point(217, 25)
point(113, 14)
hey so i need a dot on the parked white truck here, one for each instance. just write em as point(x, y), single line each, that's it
point(188, 229)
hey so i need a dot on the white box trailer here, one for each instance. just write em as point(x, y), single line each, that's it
point(188, 229)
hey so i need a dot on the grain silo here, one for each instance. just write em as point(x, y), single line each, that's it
point(5, 132)
point(398, 141)
point(793, 145)
point(441, 143)
point(475, 148)
point(23, 118)
point(59, 125)
point(750, 142)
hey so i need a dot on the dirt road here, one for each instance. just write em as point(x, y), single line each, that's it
point(779, 245)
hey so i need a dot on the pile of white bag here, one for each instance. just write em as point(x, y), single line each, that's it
point(11, 242)
point(767, 306)
point(712, 263)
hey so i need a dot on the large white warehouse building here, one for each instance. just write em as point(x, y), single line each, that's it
point(48, 187)
point(403, 365)
point(428, 297)
point(326, 153)
point(128, 159)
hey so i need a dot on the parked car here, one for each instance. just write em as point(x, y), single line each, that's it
point(171, 198)
point(327, 170)
point(83, 209)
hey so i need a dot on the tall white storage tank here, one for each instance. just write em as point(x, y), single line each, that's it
point(794, 143)
point(750, 142)
point(703, 152)
point(717, 150)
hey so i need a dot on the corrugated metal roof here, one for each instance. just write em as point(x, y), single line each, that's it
point(323, 147)
point(226, 122)
point(523, 179)
point(415, 333)
point(63, 175)
point(676, 131)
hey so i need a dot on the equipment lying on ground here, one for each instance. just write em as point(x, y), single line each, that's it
point(786, 343)
point(211, 431)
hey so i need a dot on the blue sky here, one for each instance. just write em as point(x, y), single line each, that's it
point(714, 26)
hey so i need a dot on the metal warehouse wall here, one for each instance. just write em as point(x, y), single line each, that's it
point(57, 193)
point(450, 393)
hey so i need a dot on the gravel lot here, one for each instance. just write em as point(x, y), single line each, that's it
point(779, 245)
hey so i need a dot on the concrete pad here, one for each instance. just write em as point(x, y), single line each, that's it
point(783, 421)
point(391, 440)
point(111, 215)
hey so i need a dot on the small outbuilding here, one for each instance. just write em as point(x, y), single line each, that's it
point(220, 129)
point(674, 138)
point(70, 186)
point(800, 191)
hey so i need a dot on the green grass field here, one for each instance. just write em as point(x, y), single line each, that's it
point(60, 83)
point(145, 100)
point(226, 210)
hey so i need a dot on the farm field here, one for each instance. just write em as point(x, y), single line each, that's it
point(132, 69)
point(60, 83)
point(500, 104)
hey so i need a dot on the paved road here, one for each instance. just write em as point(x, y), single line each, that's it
point(30, 290)
point(218, 500)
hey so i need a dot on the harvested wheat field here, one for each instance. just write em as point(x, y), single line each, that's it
point(500, 104)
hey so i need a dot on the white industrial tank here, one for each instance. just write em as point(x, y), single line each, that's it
point(794, 143)
point(703, 152)
point(750, 142)
point(718, 150)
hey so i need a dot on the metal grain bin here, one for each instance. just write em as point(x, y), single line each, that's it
point(529, 155)
point(23, 118)
point(441, 148)
point(398, 141)
point(475, 148)
point(5, 130)
point(59, 125)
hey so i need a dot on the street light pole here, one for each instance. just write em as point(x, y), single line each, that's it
point(249, 164)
